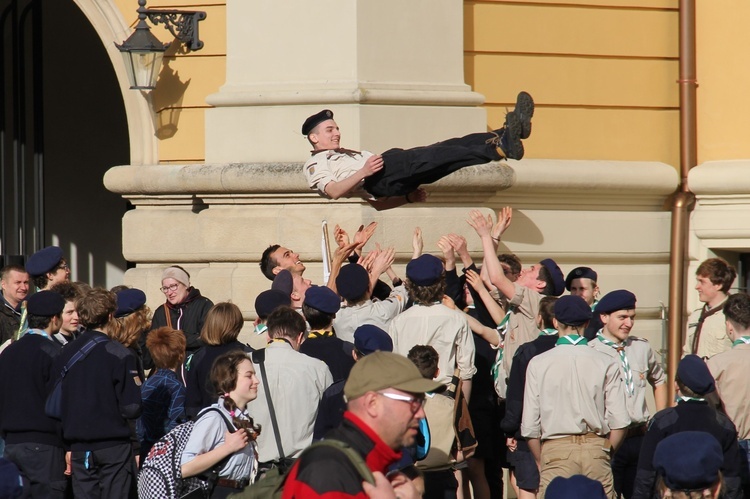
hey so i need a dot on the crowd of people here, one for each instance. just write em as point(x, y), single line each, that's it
point(426, 386)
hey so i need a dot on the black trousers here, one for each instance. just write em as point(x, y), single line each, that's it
point(625, 466)
point(104, 473)
point(42, 469)
point(406, 169)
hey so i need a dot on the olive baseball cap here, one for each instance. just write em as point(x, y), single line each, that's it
point(381, 370)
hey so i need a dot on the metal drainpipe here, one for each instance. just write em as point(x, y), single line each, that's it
point(683, 200)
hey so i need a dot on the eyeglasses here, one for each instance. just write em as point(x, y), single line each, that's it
point(64, 266)
point(415, 403)
point(171, 287)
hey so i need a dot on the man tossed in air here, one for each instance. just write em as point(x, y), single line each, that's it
point(393, 178)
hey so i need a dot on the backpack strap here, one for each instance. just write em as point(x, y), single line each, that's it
point(211, 475)
point(351, 454)
point(259, 357)
point(82, 353)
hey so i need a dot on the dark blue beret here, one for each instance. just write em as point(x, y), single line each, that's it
point(369, 338)
point(689, 460)
point(283, 282)
point(270, 300)
point(322, 298)
point(44, 260)
point(128, 301)
point(315, 119)
point(572, 310)
point(694, 373)
point(558, 280)
point(621, 299)
point(352, 281)
point(424, 270)
point(575, 487)
point(45, 304)
point(11, 484)
point(580, 273)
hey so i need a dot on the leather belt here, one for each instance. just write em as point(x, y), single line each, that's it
point(637, 431)
point(232, 484)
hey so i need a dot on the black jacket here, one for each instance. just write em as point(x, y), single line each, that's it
point(9, 321)
point(99, 394)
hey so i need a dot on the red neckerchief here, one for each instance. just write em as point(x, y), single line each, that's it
point(381, 456)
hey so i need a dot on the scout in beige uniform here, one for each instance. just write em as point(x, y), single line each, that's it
point(639, 370)
point(393, 178)
point(543, 278)
point(574, 410)
point(731, 370)
point(706, 333)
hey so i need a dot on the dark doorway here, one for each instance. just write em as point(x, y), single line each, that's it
point(63, 126)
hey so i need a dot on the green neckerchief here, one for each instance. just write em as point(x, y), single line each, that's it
point(742, 340)
point(549, 331)
point(260, 329)
point(629, 382)
point(679, 399)
point(593, 305)
point(572, 339)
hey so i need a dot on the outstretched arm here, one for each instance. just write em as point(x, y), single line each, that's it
point(337, 189)
point(483, 227)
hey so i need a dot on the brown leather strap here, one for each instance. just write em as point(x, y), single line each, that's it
point(705, 314)
point(232, 484)
point(169, 317)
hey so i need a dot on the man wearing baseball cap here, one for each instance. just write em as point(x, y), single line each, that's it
point(641, 372)
point(385, 396)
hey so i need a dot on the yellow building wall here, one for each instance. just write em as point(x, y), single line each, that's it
point(603, 74)
point(186, 78)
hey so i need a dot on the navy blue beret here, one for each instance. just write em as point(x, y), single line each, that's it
point(128, 301)
point(44, 260)
point(580, 273)
point(694, 373)
point(45, 304)
point(689, 460)
point(575, 487)
point(270, 300)
point(424, 270)
point(572, 310)
point(622, 299)
point(315, 119)
point(322, 298)
point(369, 338)
point(283, 282)
point(558, 280)
point(353, 281)
point(11, 484)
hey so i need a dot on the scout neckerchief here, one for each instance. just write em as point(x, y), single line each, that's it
point(681, 398)
point(705, 314)
point(502, 329)
point(593, 305)
point(549, 331)
point(260, 329)
point(742, 340)
point(320, 333)
point(39, 332)
point(629, 384)
point(572, 339)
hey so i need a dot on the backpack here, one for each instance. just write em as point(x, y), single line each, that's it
point(271, 486)
point(161, 476)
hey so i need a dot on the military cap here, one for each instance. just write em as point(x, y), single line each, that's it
point(580, 273)
point(621, 299)
point(44, 260)
point(424, 270)
point(381, 370)
point(283, 282)
point(352, 281)
point(575, 487)
point(128, 301)
point(572, 310)
point(269, 300)
point(322, 298)
point(369, 338)
point(315, 119)
point(45, 304)
point(694, 374)
point(558, 280)
point(689, 460)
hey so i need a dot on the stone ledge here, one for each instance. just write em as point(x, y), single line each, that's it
point(720, 178)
